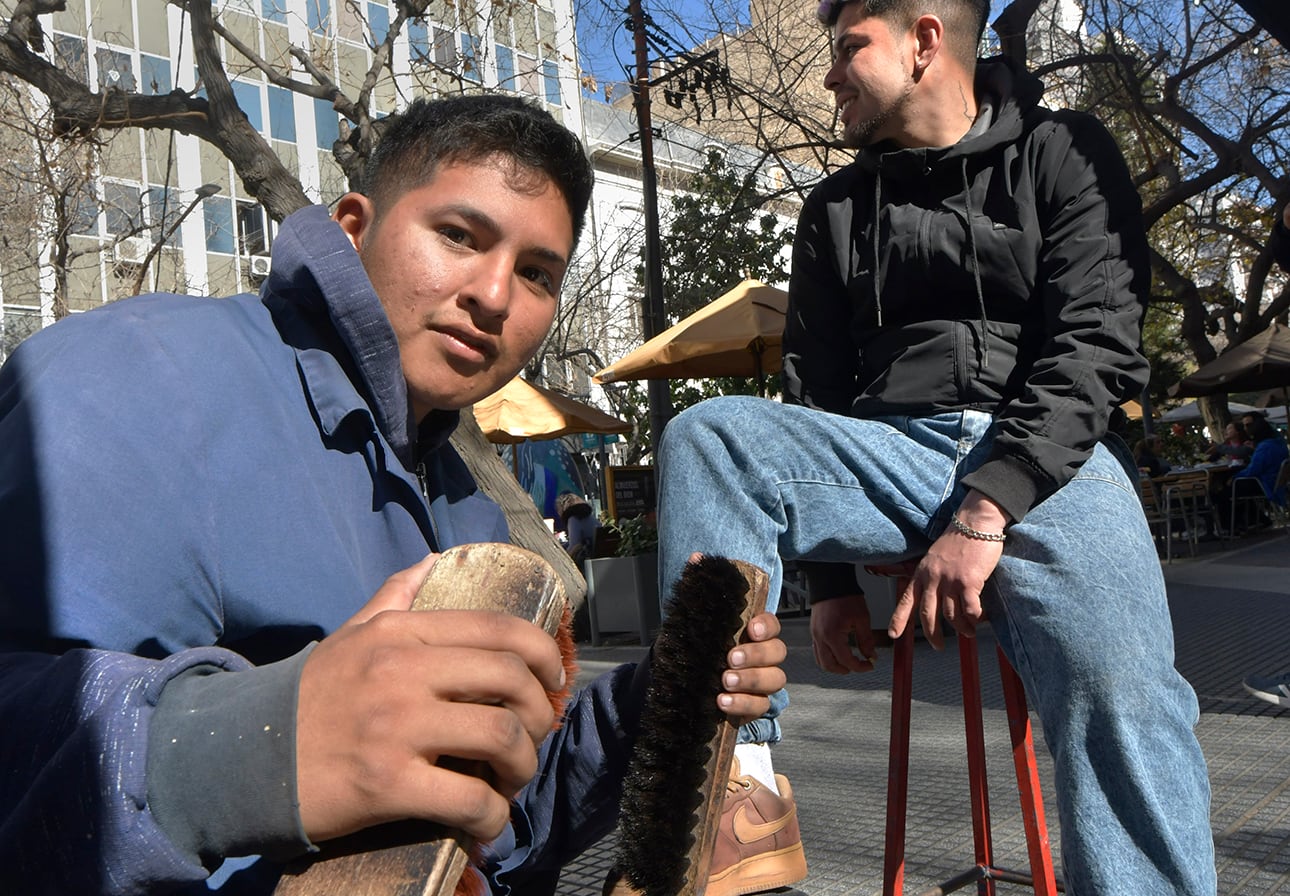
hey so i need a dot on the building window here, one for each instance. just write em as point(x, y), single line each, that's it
point(163, 215)
point(282, 114)
point(470, 58)
point(122, 209)
point(505, 66)
point(326, 124)
point(248, 99)
point(318, 12)
point(274, 11)
point(218, 213)
point(83, 211)
point(551, 82)
point(156, 74)
point(252, 229)
point(115, 69)
point(69, 55)
point(378, 22)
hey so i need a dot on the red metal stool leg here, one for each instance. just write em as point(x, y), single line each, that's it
point(1032, 800)
point(902, 673)
point(984, 873)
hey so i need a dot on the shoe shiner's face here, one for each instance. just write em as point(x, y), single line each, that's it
point(468, 267)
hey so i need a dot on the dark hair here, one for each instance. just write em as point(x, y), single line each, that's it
point(966, 16)
point(473, 128)
point(1259, 428)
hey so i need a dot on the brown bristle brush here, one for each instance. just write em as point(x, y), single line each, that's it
point(420, 858)
point(672, 797)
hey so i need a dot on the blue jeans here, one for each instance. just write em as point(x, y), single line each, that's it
point(1077, 603)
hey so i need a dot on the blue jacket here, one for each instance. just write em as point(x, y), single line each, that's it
point(195, 490)
point(1265, 465)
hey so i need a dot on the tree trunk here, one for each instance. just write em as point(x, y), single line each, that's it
point(527, 528)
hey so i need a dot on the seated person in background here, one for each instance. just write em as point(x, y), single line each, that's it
point(1236, 446)
point(1147, 455)
point(1270, 451)
point(579, 524)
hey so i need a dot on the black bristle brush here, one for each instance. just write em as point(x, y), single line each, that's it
point(677, 772)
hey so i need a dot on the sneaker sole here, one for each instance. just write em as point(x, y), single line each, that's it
point(766, 871)
point(1267, 697)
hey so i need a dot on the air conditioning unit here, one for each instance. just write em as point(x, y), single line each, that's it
point(130, 251)
point(260, 266)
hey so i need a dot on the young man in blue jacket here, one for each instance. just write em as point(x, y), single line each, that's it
point(965, 311)
point(216, 513)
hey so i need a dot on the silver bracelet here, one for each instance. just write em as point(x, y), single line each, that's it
point(968, 531)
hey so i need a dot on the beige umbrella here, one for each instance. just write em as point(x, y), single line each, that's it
point(1132, 409)
point(520, 411)
point(739, 334)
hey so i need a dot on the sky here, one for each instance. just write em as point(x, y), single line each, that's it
point(605, 45)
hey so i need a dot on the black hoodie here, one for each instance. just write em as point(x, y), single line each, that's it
point(1012, 277)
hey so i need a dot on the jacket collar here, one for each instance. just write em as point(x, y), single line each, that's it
point(317, 274)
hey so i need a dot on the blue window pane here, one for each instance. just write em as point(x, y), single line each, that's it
point(551, 78)
point(218, 212)
point(505, 66)
point(274, 10)
point(156, 74)
point(378, 20)
point(114, 69)
point(163, 213)
point(282, 114)
point(69, 55)
point(326, 123)
point(248, 97)
point(470, 57)
point(418, 40)
point(319, 11)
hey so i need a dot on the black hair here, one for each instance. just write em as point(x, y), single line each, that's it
point(970, 15)
point(473, 128)
point(1259, 428)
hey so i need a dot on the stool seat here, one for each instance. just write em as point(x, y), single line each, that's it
point(984, 873)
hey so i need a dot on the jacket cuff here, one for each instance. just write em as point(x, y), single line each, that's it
point(1010, 483)
point(222, 762)
point(825, 581)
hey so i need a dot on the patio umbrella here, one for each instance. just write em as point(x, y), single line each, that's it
point(520, 411)
point(1190, 412)
point(739, 334)
point(1262, 362)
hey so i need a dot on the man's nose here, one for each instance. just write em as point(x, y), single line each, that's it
point(489, 289)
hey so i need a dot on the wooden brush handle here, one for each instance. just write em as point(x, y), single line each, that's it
point(420, 858)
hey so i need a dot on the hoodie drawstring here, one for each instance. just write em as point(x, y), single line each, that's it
point(976, 268)
point(877, 226)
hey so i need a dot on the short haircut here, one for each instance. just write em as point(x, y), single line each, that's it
point(964, 18)
point(475, 128)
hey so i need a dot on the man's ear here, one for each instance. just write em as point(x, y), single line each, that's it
point(355, 214)
point(929, 34)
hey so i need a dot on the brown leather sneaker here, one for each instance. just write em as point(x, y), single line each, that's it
point(759, 845)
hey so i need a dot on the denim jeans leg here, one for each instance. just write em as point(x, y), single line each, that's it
point(1078, 603)
point(757, 481)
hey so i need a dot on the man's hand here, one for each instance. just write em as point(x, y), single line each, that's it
point(833, 623)
point(949, 579)
point(392, 691)
point(753, 670)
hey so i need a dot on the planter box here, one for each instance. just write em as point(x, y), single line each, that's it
point(622, 596)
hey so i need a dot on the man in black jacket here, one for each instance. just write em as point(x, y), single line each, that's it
point(965, 312)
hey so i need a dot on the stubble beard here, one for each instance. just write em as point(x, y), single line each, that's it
point(863, 133)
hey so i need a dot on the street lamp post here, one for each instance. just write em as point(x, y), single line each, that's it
point(203, 192)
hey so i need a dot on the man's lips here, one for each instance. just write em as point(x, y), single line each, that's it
point(469, 343)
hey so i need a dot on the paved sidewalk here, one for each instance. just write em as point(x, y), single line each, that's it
point(1231, 611)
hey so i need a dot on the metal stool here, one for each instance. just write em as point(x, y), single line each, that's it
point(984, 872)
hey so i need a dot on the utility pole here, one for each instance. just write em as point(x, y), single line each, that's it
point(652, 317)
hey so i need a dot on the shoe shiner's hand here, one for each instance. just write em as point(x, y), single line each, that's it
point(753, 670)
point(949, 579)
point(384, 697)
point(842, 636)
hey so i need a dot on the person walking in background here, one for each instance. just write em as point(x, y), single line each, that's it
point(965, 310)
